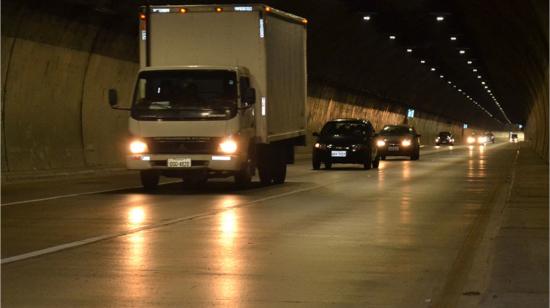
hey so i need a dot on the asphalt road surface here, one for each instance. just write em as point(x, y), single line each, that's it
point(399, 236)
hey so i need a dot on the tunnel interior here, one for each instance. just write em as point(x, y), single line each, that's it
point(59, 58)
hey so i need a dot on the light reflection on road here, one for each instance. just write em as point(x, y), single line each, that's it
point(227, 286)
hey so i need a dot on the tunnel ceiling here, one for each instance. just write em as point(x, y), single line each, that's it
point(506, 42)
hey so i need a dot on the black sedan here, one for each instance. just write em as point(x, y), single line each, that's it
point(346, 141)
point(398, 140)
point(445, 138)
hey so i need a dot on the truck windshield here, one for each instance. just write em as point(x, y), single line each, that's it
point(185, 94)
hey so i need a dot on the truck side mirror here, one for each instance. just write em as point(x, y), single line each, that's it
point(249, 97)
point(113, 97)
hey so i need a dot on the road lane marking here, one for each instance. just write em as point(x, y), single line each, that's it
point(80, 194)
point(95, 239)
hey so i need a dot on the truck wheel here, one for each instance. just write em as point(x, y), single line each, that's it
point(264, 165)
point(279, 172)
point(244, 176)
point(149, 179)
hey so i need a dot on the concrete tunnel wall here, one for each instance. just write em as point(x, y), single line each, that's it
point(55, 76)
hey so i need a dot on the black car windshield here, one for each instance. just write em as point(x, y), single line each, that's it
point(185, 94)
point(343, 129)
point(395, 130)
point(444, 134)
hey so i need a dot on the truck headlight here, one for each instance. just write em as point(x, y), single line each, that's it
point(471, 139)
point(406, 142)
point(380, 143)
point(482, 139)
point(138, 147)
point(228, 146)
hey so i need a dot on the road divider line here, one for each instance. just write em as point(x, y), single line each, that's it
point(79, 194)
point(96, 239)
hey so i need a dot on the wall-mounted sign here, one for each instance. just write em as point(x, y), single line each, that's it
point(465, 125)
point(410, 113)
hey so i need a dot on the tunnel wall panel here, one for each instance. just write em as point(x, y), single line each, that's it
point(536, 129)
point(42, 110)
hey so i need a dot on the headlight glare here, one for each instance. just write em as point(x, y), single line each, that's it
point(406, 142)
point(380, 143)
point(228, 146)
point(138, 147)
point(471, 139)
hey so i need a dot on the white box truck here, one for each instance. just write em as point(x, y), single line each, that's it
point(221, 92)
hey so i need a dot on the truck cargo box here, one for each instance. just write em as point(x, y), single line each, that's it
point(270, 43)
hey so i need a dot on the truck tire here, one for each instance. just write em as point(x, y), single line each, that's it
point(264, 156)
point(244, 176)
point(279, 167)
point(272, 164)
point(149, 179)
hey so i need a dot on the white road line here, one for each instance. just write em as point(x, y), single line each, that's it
point(95, 239)
point(78, 194)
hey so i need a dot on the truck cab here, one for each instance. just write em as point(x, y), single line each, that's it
point(215, 96)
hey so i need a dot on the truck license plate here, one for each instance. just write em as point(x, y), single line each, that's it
point(338, 153)
point(393, 148)
point(179, 162)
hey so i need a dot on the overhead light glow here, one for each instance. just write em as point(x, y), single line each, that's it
point(483, 82)
point(366, 18)
point(441, 76)
point(462, 51)
point(474, 70)
point(423, 61)
point(440, 18)
point(469, 62)
point(478, 76)
point(392, 37)
point(453, 38)
point(432, 69)
point(409, 50)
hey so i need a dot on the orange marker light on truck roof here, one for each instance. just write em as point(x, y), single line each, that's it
point(267, 9)
point(183, 10)
point(142, 16)
point(219, 9)
point(304, 21)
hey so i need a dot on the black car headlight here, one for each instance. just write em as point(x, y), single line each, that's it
point(320, 146)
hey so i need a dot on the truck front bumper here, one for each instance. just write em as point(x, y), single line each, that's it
point(205, 162)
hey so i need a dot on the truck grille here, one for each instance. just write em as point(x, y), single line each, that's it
point(183, 146)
